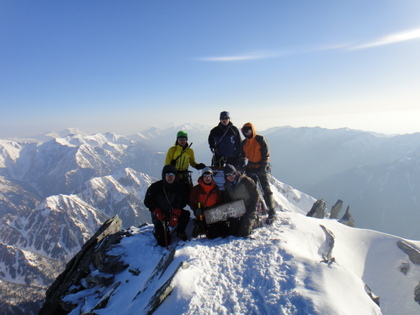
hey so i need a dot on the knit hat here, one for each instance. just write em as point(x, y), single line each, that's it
point(207, 170)
point(229, 168)
point(224, 114)
point(168, 169)
point(181, 134)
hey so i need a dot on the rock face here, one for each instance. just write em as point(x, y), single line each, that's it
point(347, 218)
point(78, 268)
point(326, 250)
point(318, 209)
point(413, 253)
point(411, 250)
point(417, 294)
point(336, 209)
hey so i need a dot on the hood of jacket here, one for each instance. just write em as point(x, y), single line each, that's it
point(168, 169)
point(249, 125)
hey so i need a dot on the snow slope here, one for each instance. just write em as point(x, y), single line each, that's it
point(299, 265)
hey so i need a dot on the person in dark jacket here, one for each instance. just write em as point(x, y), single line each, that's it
point(166, 199)
point(225, 142)
point(239, 186)
point(256, 152)
point(204, 195)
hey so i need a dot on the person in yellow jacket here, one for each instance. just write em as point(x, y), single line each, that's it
point(181, 156)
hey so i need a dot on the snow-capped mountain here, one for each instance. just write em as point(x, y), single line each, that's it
point(162, 139)
point(16, 197)
point(376, 175)
point(56, 191)
point(298, 265)
point(54, 195)
point(55, 230)
point(121, 193)
point(61, 165)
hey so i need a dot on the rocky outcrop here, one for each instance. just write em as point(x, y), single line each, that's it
point(318, 209)
point(347, 218)
point(413, 253)
point(335, 210)
point(94, 251)
point(411, 250)
point(326, 250)
point(417, 294)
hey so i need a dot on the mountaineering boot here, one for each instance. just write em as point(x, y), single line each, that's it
point(271, 217)
point(269, 201)
point(182, 236)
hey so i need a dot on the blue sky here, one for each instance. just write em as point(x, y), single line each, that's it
point(124, 66)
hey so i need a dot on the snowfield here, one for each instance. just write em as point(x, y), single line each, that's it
point(286, 268)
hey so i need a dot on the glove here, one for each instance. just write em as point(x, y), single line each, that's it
point(159, 214)
point(200, 166)
point(173, 221)
point(198, 212)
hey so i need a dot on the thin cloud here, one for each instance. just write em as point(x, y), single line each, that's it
point(386, 40)
point(237, 58)
point(391, 39)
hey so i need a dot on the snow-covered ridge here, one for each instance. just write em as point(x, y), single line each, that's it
point(291, 267)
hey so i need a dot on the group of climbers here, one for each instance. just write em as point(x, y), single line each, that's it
point(245, 165)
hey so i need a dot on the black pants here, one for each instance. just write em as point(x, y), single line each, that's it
point(162, 235)
point(265, 186)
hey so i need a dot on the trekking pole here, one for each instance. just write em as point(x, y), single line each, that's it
point(165, 228)
point(200, 219)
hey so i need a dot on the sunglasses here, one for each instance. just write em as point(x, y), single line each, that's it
point(170, 174)
point(207, 175)
point(182, 138)
point(230, 174)
point(224, 118)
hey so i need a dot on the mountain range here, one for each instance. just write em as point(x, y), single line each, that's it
point(57, 189)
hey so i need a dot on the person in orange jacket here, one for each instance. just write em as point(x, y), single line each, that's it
point(256, 152)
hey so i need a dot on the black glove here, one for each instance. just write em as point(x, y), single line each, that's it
point(198, 212)
point(200, 166)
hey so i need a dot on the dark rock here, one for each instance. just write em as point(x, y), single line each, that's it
point(404, 268)
point(318, 209)
point(417, 293)
point(105, 298)
point(347, 218)
point(326, 250)
point(335, 210)
point(371, 295)
point(78, 267)
point(411, 250)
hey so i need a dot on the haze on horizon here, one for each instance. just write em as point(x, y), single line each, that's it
point(125, 67)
